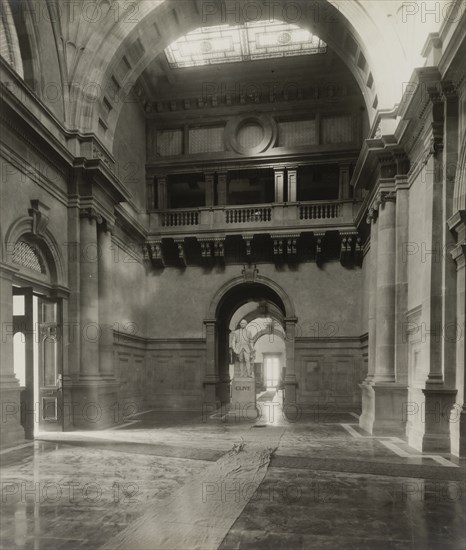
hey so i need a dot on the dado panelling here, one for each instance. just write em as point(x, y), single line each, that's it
point(130, 373)
point(329, 372)
point(175, 370)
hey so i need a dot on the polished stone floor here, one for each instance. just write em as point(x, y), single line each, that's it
point(327, 485)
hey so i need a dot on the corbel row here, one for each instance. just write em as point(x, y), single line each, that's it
point(351, 249)
point(285, 246)
point(276, 248)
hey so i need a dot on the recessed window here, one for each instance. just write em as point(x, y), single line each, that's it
point(248, 42)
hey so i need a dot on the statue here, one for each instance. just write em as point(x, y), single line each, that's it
point(242, 349)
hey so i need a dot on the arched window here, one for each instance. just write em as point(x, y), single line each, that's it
point(9, 44)
point(27, 256)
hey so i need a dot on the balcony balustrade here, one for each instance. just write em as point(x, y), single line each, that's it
point(261, 217)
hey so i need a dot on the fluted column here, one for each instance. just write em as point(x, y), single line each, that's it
point(106, 320)
point(89, 294)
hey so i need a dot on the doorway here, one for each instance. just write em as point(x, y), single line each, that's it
point(37, 359)
point(272, 368)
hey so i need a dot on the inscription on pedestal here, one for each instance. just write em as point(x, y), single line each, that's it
point(243, 390)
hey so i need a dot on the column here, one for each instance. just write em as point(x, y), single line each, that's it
point(292, 184)
point(162, 197)
point(290, 373)
point(383, 398)
point(458, 416)
point(344, 182)
point(440, 289)
point(385, 314)
point(106, 320)
point(449, 268)
point(222, 189)
point(209, 189)
point(12, 432)
point(279, 175)
point(372, 296)
point(89, 294)
point(401, 269)
point(150, 193)
point(211, 378)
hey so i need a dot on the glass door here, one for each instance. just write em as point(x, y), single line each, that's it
point(23, 355)
point(50, 375)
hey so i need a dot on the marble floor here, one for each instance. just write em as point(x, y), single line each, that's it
point(326, 485)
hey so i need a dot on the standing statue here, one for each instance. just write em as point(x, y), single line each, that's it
point(242, 346)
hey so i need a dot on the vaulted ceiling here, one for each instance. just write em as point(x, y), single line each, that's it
point(103, 50)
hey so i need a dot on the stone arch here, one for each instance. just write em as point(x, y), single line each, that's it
point(46, 243)
point(264, 332)
point(136, 48)
point(219, 297)
point(227, 299)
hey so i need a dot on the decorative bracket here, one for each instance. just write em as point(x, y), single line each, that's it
point(219, 247)
point(318, 251)
point(206, 249)
point(249, 273)
point(181, 251)
point(39, 213)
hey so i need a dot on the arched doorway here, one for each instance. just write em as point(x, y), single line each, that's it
point(36, 338)
point(260, 298)
point(264, 325)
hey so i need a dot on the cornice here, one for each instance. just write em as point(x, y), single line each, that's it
point(60, 147)
point(273, 158)
point(129, 224)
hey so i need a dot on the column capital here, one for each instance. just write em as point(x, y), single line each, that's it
point(386, 196)
point(449, 91)
point(90, 213)
point(381, 197)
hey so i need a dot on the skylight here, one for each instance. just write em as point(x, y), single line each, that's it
point(248, 42)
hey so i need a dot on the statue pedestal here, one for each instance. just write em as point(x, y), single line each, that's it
point(243, 392)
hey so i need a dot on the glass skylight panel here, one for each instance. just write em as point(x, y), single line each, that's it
point(251, 41)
